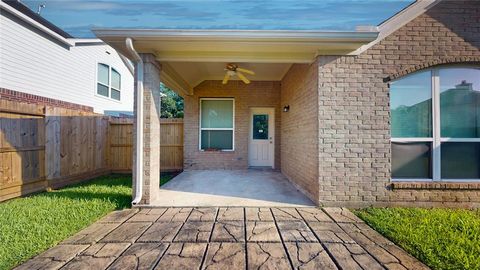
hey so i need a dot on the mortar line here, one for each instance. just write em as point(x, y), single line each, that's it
point(213, 226)
point(157, 261)
point(245, 236)
point(204, 255)
point(323, 245)
point(281, 239)
point(181, 227)
point(362, 247)
point(209, 238)
point(166, 208)
point(366, 251)
point(119, 256)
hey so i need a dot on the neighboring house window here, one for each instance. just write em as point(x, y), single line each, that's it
point(216, 124)
point(103, 80)
point(115, 85)
point(435, 125)
point(108, 82)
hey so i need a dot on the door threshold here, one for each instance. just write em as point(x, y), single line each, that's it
point(261, 168)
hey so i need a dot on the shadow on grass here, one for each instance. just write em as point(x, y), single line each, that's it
point(112, 188)
point(121, 201)
point(116, 188)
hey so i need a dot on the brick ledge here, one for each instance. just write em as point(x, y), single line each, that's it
point(12, 95)
point(437, 185)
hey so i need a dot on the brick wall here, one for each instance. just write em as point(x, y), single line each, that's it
point(11, 95)
point(300, 128)
point(255, 94)
point(354, 130)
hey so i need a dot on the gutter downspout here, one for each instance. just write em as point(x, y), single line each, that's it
point(139, 139)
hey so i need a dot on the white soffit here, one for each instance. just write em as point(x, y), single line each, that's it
point(258, 46)
point(189, 57)
point(196, 72)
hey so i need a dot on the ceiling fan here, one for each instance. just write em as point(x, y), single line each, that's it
point(234, 70)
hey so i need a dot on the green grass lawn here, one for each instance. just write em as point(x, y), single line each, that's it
point(441, 238)
point(35, 223)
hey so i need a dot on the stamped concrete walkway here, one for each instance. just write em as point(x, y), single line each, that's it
point(227, 238)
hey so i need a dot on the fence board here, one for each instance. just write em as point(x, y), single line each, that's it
point(52, 142)
point(22, 149)
point(171, 144)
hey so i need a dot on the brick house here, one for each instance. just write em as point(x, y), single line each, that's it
point(387, 115)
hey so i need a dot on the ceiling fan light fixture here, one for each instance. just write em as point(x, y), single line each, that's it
point(233, 70)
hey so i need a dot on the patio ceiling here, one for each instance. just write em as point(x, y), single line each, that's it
point(189, 57)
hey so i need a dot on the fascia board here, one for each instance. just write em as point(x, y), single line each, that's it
point(35, 24)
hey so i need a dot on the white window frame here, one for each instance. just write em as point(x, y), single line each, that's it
point(109, 86)
point(200, 124)
point(436, 140)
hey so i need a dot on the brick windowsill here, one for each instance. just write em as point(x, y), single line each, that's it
point(437, 185)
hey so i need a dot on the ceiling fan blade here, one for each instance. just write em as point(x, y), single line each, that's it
point(246, 71)
point(225, 78)
point(243, 78)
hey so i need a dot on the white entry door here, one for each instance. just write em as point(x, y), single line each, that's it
point(261, 147)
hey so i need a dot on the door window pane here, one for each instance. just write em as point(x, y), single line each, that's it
point(115, 79)
point(411, 160)
point(217, 113)
point(102, 90)
point(217, 139)
point(460, 102)
point(102, 75)
point(411, 106)
point(260, 127)
point(460, 160)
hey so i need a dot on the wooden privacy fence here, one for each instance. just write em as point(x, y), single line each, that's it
point(121, 147)
point(43, 146)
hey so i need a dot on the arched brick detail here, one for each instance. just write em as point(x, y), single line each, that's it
point(469, 60)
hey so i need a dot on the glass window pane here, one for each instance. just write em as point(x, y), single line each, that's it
point(411, 106)
point(115, 79)
point(103, 74)
point(460, 160)
point(115, 94)
point(102, 90)
point(411, 160)
point(217, 113)
point(217, 139)
point(260, 127)
point(460, 102)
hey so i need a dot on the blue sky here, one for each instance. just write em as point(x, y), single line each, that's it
point(78, 17)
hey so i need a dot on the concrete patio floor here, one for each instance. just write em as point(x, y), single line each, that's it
point(226, 238)
point(253, 187)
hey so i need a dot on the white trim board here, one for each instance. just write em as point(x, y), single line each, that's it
point(32, 22)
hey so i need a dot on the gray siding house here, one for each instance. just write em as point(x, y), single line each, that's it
point(40, 63)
